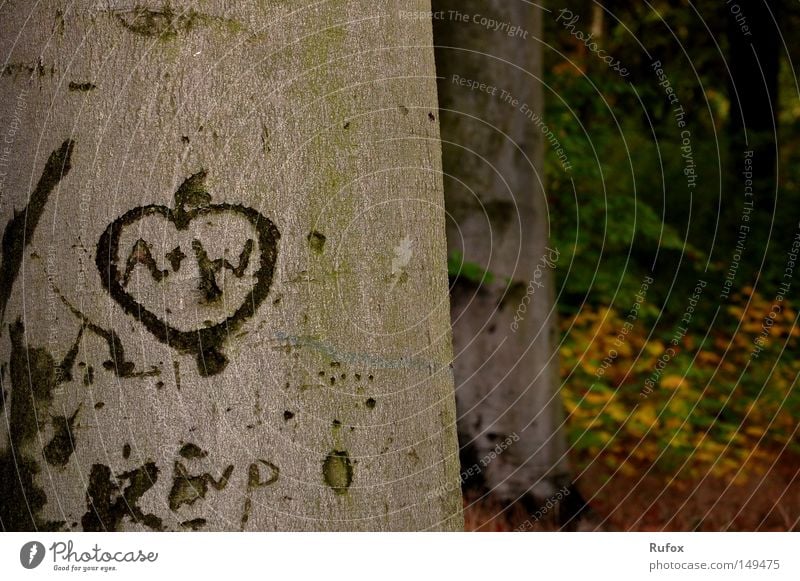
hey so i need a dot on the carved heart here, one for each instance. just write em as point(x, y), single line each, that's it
point(192, 219)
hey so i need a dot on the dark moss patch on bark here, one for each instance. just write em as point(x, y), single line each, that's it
point(192, 451)
point(33, 376)
point(166, 23)
point(81, 87)
point(316, 240)
point(37, 70)
point(19, 231)
point(108, 503)
point(59, 449)
point(337, 471)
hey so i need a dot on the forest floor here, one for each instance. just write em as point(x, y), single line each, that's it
point(765, 497)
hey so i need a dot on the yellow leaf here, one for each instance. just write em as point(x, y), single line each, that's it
point(672, 381)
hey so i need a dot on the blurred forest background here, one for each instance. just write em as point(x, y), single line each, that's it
point(621, 185)
point(678, 326)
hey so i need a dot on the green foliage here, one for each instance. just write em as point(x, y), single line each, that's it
point(458, 268)
point(624, 208)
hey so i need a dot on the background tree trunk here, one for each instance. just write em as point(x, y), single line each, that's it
point(223, 291)
point(754, 63)
point(504, 329)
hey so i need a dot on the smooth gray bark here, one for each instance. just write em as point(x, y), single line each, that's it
point(224, 297)
point(489, 59)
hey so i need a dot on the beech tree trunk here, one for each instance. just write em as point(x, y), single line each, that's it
point(224, 299)
point(489, 60)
